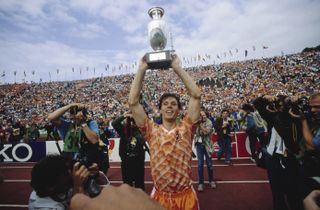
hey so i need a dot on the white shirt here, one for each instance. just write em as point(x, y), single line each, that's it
point(276, 143)
point(45, 203)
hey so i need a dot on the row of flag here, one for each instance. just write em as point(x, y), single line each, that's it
point(207, 57)
point(127, 67)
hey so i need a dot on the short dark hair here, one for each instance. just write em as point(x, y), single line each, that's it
point(167, 95)
point(247, 107)
point(46, 173)
point(75, 109)
point(224, 110)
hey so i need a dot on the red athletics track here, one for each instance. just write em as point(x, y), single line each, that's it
point(242, 186)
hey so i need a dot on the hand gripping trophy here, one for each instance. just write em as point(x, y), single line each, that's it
point(157, 32)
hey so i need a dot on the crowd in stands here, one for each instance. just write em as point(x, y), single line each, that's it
point(226, 85)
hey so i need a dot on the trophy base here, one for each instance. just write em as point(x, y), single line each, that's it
point(159, 59)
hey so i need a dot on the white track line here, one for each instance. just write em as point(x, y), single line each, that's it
point(14, 205)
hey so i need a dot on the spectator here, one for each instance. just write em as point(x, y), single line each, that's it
point(204, 146)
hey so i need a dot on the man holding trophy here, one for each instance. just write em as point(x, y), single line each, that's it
point(170, 142)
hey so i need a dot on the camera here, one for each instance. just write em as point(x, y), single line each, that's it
point(75, 109)
point(91, 186)
point(300, 106)
point(274, 105)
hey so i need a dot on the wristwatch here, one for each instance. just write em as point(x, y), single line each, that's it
point(84, 125)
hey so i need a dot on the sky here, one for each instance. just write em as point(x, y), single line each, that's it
point(55, 40)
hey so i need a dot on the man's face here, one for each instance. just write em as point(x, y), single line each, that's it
point(78, 117)
point(169, 109)
point(225, 114)
point(315, 107)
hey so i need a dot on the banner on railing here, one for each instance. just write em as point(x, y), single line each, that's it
point(35, 150)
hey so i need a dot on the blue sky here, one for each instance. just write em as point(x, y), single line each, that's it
point(42, 36)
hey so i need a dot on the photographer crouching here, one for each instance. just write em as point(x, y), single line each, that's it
point(55, 181)
point(285, 134)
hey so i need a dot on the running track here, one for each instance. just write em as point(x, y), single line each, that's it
point(242, 186)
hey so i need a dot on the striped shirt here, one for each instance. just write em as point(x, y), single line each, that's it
point(170, 154)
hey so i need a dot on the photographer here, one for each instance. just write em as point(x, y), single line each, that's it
point(223, 127)
point(204, 146)
point(280, 153)
point(131, 150)
point(308, 110)
point(80, 136)
point(54, 182)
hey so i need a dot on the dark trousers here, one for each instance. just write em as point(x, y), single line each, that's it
point(283, 174)
point(132, 169)
point(224, 147)
point(252, 141)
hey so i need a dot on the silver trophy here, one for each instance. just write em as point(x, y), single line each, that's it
point(157, 33)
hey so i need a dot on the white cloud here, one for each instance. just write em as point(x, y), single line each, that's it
point(46, 35)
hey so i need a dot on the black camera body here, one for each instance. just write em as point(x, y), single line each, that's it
point(301, 106)
point(90, 186)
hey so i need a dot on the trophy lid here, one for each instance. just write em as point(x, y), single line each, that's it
point(159, 11)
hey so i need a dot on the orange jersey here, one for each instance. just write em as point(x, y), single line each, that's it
point(170, 154)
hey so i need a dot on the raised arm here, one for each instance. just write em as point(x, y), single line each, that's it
point(136, 108)
point(192, 88)
point(54, 116)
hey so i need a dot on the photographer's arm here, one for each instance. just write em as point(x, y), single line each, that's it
point(79, 175)
point(136, 108)
point(54, 116)
point(117, 124)
point(91, 131)
point(307, 134)
point(207, 128)
point(192, 88)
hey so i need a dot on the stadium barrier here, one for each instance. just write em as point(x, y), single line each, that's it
point(35, 150)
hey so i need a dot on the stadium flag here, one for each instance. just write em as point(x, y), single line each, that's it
point(3, 74)
point(72, 69)
point(57, 71)
point(94, 70)
point(225, 54)
point(230, 53)
point(245, 53)
point(40, 80)
point(237, 50)
point(80, 70)
point(24, 73)
point(33, 72)
point(218, 56)
point(199, 57)
point(254, 48)
point(264, 47)
point(15, 73)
